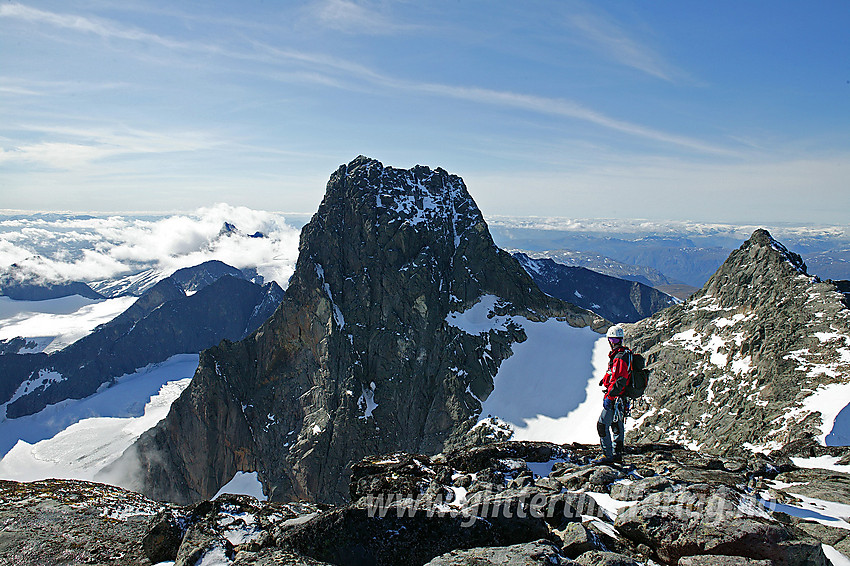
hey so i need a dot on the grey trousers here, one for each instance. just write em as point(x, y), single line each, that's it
point(606, 421)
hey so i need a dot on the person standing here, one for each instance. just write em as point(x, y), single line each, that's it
point(615, 406)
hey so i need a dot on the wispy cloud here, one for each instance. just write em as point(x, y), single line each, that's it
point(355, 18)
point(560, 107)
point(568, 109)
point(607, 36)
point(80, 147)
point(325, 69)
point(28, 87)
point(100, 27)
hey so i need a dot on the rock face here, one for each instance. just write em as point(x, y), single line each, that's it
point(614, 299)
point(359, 358)
point(493, 504)
point(747, 361)
point(161, 323)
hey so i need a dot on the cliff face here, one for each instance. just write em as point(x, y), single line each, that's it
point(758, 358)
point(359, 358)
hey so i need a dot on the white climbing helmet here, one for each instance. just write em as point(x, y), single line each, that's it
point(616, 332)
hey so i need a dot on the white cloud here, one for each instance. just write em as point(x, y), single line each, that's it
point(97, 26)
point(66, 248)
point(75, 147)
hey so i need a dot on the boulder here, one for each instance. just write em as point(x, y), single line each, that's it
point(538, 553)
point(640, 489)
point(576, 539)
point(699, 520)
point(829, 485)
point(721, 560)
point(603, 558)
point(163, 537)
point(353, 536)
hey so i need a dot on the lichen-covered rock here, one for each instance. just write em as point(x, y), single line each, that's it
point(72, 522)
point(576, 539)
point(403, 536)
point(829, 485)
point(424, 508)
point(637, 490)
point(721, 560)
point(163, 537)
point(701, 520)
point(604, 558)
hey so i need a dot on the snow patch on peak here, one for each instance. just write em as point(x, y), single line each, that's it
point(367, 401)
point(337, 313)
point(419, 196)
point(481, 317)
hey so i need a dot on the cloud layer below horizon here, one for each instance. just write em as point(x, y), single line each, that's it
point(62, 247)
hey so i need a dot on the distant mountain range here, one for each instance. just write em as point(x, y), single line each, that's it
point(23, 290)
point(192, 310)
point(617, 300)
point(682, 255)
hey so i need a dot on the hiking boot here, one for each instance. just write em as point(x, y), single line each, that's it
point(607, 460)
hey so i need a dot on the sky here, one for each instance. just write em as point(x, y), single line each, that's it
point(702, 111)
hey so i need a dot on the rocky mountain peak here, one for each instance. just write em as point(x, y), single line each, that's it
point(758, 272)
point(360, 358)
point(762, 238)
point(416, 196)
point(749, 360)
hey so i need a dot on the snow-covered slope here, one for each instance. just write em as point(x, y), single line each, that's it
point(48, 326)
point(546, 390)
point(75, 439)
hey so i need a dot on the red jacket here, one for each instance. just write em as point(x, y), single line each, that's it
point(617, 375)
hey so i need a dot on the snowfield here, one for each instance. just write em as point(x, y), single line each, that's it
point(547, 390)
point(75, 439)
point(56, 323)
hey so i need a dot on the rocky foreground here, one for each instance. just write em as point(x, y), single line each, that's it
point(503, 503)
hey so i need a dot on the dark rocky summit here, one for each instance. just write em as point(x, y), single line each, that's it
point(617, 300)
point(738, 364)
point(163, 322)
point(525, 503)
point(359, 359)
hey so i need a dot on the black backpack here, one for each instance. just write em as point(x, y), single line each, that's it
point(639, 374)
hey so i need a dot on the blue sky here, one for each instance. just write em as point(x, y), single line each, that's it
point(704, 111)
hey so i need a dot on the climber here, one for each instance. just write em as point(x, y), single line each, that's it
point(615, 406)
